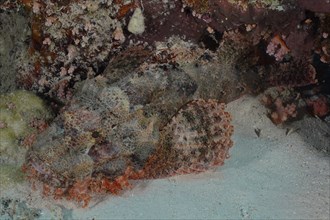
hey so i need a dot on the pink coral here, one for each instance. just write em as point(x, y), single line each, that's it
point(277, 48)
point(283, 113)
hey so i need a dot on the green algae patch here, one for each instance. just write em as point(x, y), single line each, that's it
point(10, 175)
point(8, 139)
point(25, 105)
point(22, 113)
point(18, 111)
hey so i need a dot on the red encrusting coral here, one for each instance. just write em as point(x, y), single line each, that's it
point(82, 191)
point(319, 105)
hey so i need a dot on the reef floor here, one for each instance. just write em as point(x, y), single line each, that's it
point(278, 175)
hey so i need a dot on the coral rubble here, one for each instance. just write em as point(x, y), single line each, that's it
point(17, 209)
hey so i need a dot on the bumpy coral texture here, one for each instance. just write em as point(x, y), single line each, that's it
point(109, 135)
point(197, 138)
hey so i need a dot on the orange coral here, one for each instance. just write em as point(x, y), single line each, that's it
point(82, 191)
point(79, 192)
point(124, 9)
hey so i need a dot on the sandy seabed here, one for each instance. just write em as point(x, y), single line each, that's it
point(282, 174)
